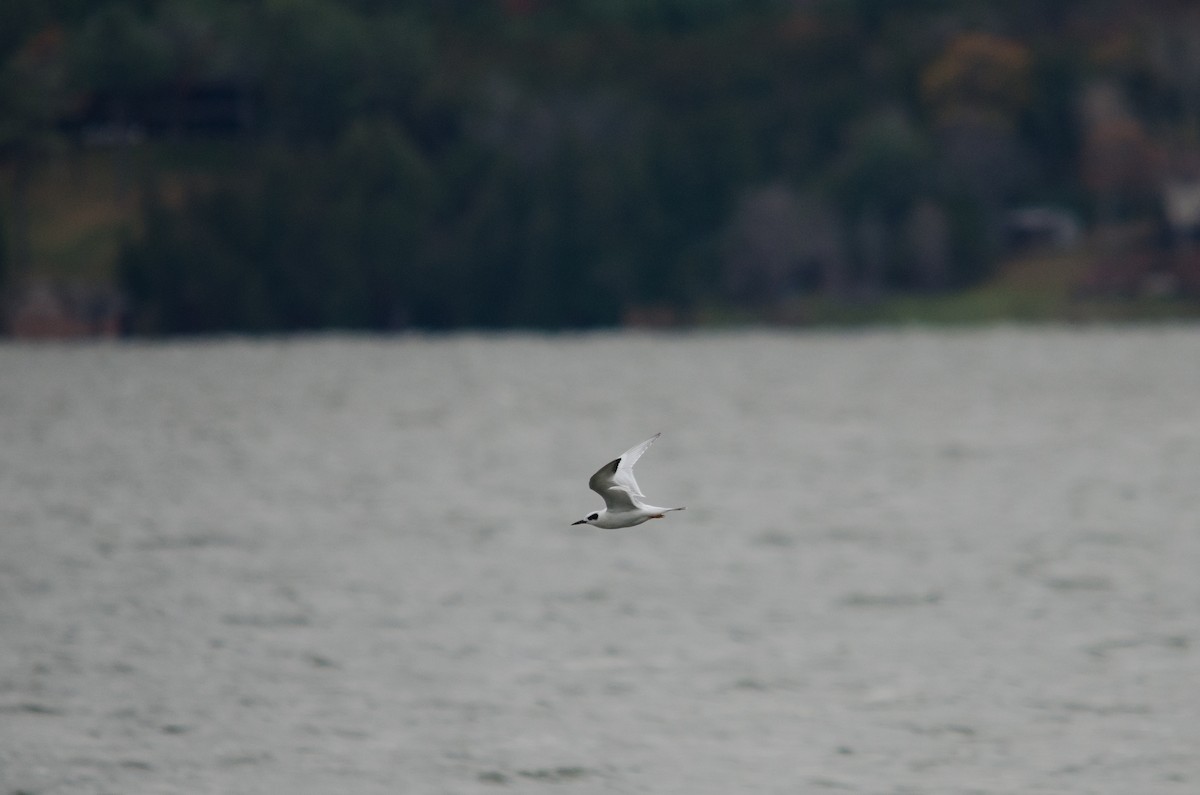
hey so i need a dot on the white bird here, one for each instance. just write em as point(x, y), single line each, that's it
point(623, 500)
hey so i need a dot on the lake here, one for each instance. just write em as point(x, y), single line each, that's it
point(912, 561)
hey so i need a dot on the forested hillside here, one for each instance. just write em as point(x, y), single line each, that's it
point(254, 165)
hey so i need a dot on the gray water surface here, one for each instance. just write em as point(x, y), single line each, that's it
point(912, 562)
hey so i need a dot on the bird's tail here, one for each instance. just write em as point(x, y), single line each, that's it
point(668, 510)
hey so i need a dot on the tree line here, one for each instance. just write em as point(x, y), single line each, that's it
point(389, 163)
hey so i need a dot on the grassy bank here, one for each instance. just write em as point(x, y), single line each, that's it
point(79, 214)
point(84, 205)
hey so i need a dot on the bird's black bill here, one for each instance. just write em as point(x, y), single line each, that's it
point(581, 521)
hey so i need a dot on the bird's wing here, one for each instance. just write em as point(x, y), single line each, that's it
point(615, 482)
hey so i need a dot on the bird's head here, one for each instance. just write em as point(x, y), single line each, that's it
point(589, 519)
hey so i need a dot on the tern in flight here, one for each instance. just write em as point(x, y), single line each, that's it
point(624, 503)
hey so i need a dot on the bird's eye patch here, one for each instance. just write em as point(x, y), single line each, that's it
point(593, 517)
